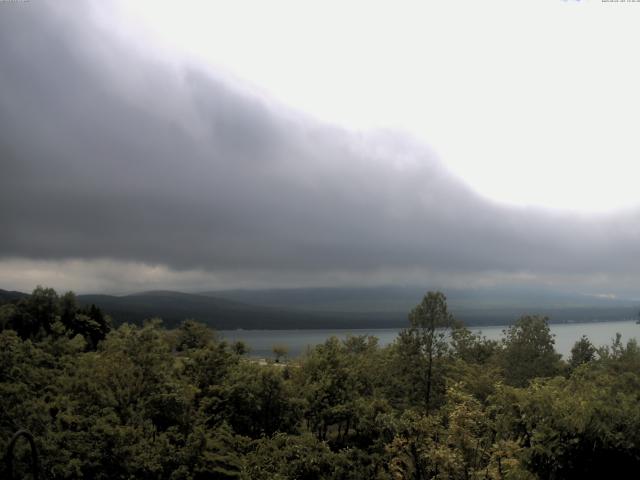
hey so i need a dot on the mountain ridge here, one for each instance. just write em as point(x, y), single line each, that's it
point(350, 308)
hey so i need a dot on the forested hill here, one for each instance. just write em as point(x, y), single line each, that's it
point(11, 296)
point(474, 306)
point(343, 307)
point(173, 307)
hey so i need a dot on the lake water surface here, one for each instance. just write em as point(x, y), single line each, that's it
point(261, 342)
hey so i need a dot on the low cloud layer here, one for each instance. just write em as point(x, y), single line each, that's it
point(116, 164)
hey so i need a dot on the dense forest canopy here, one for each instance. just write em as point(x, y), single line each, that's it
point(439, 403)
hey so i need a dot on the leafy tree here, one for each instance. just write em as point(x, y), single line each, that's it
point(193, 335)
point(68, 309)
point(423, 345)
point(207, 367)
point(472, 347)
point(257, 400)
point(528, 351)
point(280, 351)
point(586, 426)
point(284, 457)
point(10, 317)
point(43, 305)
point(412, 449)
point(214, 454)
point(329, 388)
point(240, 348)
point(582, 352)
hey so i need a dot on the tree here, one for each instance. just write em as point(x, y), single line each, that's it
point(529, 351)
point(284, 457)
point(257, 400)
point(9, 317)
point(472, 347)
point(414, 449)
point(583, 351)
point(68, 309)
point(240, 348)
point(32, 317)
point(280, 351)
point(89, 322)
point(327, 384)
point(424, 343)
point(193, 335)
point(43, 307)
point(584, 426)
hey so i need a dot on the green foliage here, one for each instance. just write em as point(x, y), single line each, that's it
point(329, 389)
point(582, 352)
point(193, 335)
point(472, 347)
point(421, 349)
point(528, 351)
point(284, 457)
point(439, 403)
point(585, 426)
point(280, 351)
point(258, 400)
point(44, 314)
point(42, 308)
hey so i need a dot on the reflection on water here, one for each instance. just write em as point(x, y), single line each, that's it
point(261, 342)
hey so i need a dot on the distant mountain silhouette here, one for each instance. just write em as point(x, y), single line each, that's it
point(477, 306)
point(173, 307)
point(352, 308)
point(11, 296)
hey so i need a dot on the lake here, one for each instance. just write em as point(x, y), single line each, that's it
point(261, 342)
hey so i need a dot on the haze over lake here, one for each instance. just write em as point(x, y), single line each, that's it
point(261, 342)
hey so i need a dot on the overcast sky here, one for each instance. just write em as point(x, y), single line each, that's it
point(139, 152)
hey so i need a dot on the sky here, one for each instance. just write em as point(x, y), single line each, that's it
point(211, 145)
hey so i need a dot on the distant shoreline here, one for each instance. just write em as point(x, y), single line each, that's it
point(261, 341)
point(472, 326)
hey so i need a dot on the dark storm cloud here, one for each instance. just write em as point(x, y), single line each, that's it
point(109, 154)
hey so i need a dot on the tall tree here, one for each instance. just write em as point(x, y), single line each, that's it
point(424, 343)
